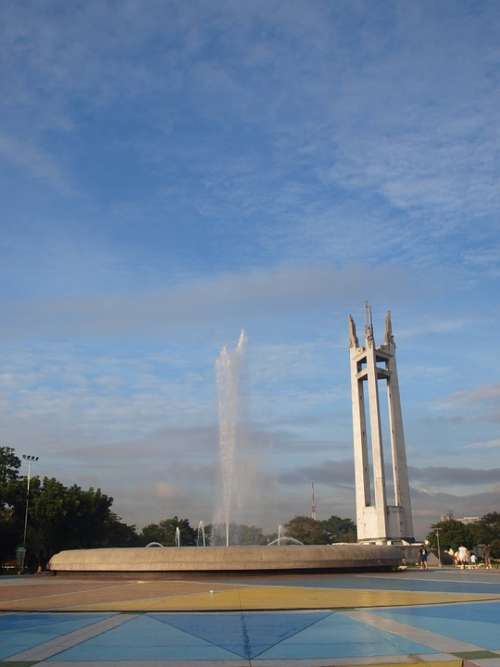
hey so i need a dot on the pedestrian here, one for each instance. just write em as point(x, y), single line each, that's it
point(423, 558)
point(473, 560)
point(463, 556)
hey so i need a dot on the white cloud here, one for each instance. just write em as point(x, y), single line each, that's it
point(38, 163)
point(484, 393)
point(236, 297)
point(484, 444)
point(438, 325)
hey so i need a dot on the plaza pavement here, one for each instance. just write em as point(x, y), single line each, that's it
point(439, 617)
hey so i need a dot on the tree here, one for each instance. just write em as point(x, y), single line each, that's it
point(244, 534)
point(61, 517)
point(452, 534)
point(119, 534)
point(307, 530)
point(488, 528)
point(9, 468)
point(65, 518)
point(8, 534)
point(340, 530)
point(152, 533)
point(10, 523)
point(487, 531)
point(164, 532)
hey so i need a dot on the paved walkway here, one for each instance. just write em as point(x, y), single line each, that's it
point(444, 634)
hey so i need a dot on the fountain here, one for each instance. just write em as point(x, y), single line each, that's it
point(200, 535)
point(287, 554)
point(284, 538)
point(228, 368)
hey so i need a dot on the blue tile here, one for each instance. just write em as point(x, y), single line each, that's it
point(339, 636)
point(246, 634)
point(222, 630)
point(19, 632)
point(143, 638)
point(19, 620)
point(267, 630)
point(476, 623)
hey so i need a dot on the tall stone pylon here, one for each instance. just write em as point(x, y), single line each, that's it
point(376, 520)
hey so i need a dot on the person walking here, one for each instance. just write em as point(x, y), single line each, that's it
point(423, 558)
point(463, 556)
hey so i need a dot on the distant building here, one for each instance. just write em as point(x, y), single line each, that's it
point(469, 519)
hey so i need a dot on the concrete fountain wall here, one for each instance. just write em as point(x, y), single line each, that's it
point(227, 559)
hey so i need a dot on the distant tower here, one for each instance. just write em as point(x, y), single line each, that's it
point(313, 503)
point(377, 521)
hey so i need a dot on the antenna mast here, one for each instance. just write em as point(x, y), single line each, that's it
point(313, 503)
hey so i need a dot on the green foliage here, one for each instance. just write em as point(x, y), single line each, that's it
point(244, 534)
point(340, 530)
point(239, 533)
point(66, 517)
point(164, 532)
point(310, 531)
point(9, 469)
point(7, 534)
point(9, 473)
point(119, 534)
point(489, 532)
point(60, 517)
point(307, 530)
point(453, 533)
point(488, 529)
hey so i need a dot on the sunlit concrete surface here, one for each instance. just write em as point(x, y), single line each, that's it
point(248, 593)
point(136, 561)
point(408, 631)
point(267, 598)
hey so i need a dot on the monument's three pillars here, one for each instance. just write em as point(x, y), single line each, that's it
point(376, 520)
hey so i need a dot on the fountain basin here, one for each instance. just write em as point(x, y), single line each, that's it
point(212, 560)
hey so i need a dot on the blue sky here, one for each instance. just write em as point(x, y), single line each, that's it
point(172, 172)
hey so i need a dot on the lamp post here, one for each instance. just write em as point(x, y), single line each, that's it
point(30, 459)
point(439, 547)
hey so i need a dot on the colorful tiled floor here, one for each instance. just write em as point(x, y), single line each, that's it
point(333, 591)
point(435, 634)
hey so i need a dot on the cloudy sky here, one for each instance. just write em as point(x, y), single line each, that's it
point(173, 171)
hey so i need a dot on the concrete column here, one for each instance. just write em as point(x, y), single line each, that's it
point(376, 436)
point(398, 448)
point(361, 472)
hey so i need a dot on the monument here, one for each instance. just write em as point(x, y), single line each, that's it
point(377, 521)
point(382, 529)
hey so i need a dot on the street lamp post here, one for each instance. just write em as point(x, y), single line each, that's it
point(30, 459)
point(439, 547)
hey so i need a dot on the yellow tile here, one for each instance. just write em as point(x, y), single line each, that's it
point(271, 597)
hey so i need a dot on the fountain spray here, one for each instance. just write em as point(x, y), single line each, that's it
point(228, 368)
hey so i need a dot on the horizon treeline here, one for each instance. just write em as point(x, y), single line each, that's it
point(69, 517)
